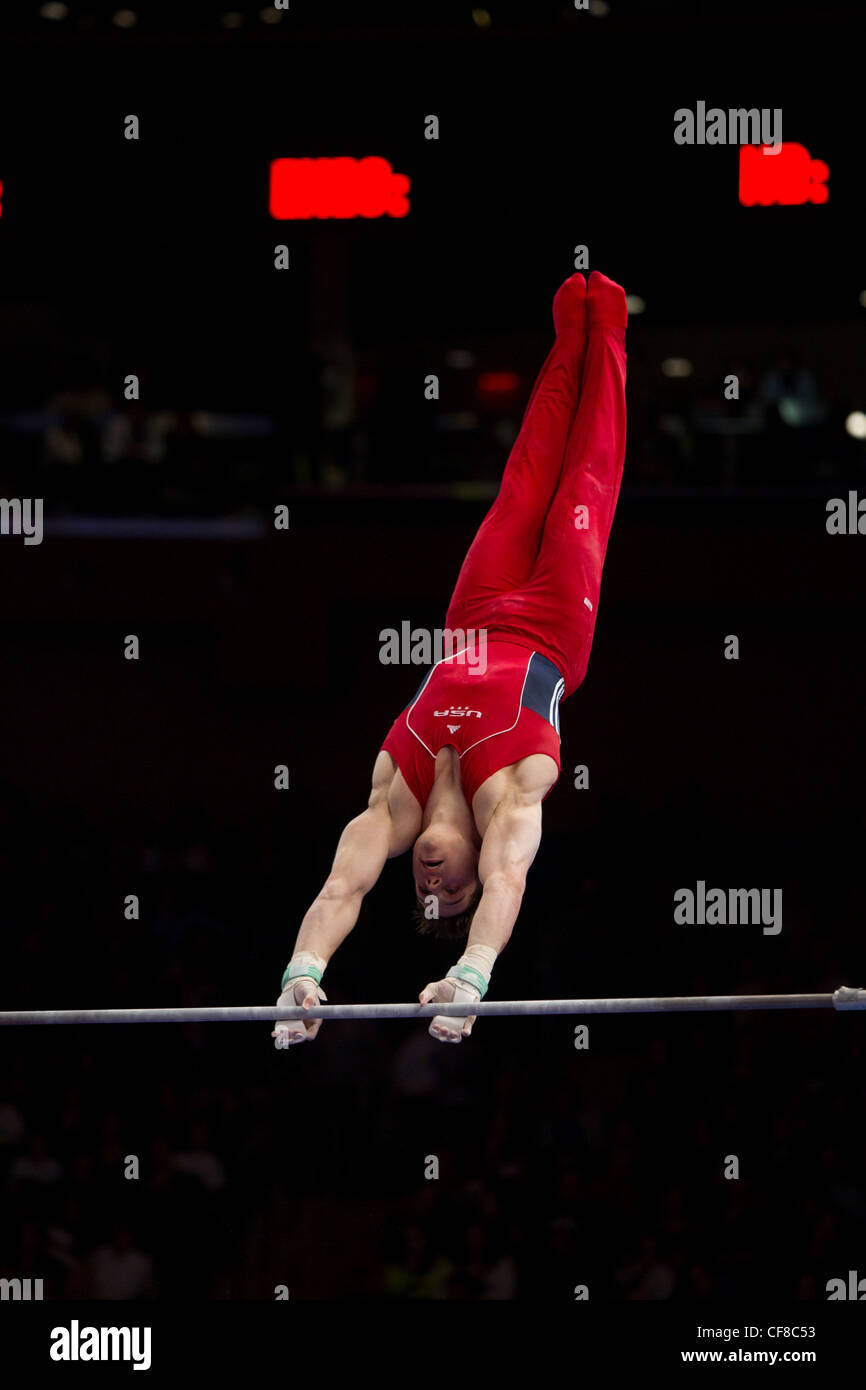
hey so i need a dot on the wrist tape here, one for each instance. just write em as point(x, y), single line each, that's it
point(308, 965)
point(474, 968)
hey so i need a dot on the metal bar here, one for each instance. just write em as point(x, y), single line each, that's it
point(844, 998)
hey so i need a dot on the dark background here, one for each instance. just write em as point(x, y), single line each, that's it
point(557, 1167)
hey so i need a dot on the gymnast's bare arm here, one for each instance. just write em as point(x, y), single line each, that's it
point(389, 826)
point(507, 810)
point(509, 847)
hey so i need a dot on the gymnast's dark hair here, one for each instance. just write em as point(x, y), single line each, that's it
point(446, 928)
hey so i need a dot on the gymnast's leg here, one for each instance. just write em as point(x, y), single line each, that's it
point(559, 602)
point(504, 551)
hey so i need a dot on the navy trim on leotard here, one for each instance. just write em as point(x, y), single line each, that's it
point(543, 689)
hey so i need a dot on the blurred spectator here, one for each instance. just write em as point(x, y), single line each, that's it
point(119, 1270)
point(36, 1165)
point(790, 389)
point(414, 1269)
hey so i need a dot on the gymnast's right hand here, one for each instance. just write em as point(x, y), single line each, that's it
point(301, 991)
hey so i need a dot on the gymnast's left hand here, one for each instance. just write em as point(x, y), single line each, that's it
point(450, 991)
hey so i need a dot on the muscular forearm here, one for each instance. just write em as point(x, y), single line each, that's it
point(360, 858)
point(497, 911)
point(328, 921)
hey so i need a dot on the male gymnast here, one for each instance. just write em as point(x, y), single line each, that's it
point(463, 771)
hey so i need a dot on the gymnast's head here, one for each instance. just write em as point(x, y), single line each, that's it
point(445, 869)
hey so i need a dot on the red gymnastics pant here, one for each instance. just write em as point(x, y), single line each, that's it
point(533, 572)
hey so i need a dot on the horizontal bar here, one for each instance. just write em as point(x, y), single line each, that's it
point(843, 998)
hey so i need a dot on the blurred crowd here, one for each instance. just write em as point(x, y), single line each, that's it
point(198, 1162)
point(342, 423)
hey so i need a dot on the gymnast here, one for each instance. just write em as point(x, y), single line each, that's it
point(463, 791)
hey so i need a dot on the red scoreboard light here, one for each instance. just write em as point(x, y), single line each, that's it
point(303, 188)
point(498, 383)
point(789, 176)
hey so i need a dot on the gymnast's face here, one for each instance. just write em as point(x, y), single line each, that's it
point(445, 864)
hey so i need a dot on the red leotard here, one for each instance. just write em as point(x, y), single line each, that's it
point(493, 718)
